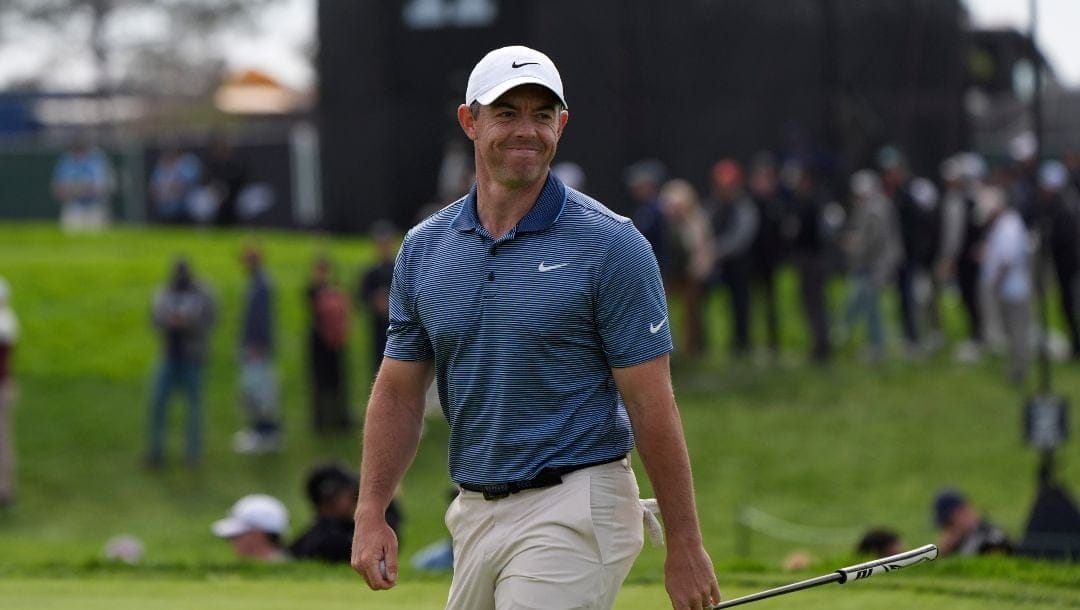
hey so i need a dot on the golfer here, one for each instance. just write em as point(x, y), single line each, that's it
point(541, 315)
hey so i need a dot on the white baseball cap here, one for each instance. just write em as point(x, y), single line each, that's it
point(505, 68)
point(255, 512)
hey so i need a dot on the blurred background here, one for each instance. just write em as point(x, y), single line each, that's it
point(344, 111)
point(823, 182)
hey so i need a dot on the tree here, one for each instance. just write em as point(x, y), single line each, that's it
point(144, 42)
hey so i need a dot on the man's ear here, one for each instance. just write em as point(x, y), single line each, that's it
point(467, 121)
point(564, 116)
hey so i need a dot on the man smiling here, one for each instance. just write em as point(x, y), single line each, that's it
point(542, 316)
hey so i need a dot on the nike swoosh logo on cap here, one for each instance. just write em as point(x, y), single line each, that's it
point(516, 65)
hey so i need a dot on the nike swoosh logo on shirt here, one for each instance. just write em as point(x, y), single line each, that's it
point(655, 328)
point(542, 268)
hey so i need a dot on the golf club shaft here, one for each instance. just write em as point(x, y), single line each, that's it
point(795, 586)
point(860, 571)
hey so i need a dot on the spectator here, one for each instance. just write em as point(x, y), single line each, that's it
point(332, 490)
point(255, 527)
point(439, 555)
point(924, 284)
point(810, 253)
point(259, 394)
point(374, 293)
point(455, 172)
point(183, 313)
point(328, 335)
point(691, 255)
point(1021, 186)
point(1072, 163)
point(175, 177)
point(879, 542)
point(963, 530)
point(9, 335)
point(1059, 229)
point(873, 251)
point(226, 175)
point(83, 182)
point(918, 228)
point(961, 235)
point(735, 223)
point(643, 180)
point(769, 247)
point(1006, 277)
point(571, 174)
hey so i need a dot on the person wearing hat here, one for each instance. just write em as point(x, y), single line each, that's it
point(9, 335)
point(255, 526)
point(542, 316)
point(332, 490)
point(963, 530)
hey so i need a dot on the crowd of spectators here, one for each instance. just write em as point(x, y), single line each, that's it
point(976, 229)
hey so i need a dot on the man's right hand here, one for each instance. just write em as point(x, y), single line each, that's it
point(375, 553)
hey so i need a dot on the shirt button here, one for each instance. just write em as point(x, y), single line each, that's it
point(491, 276)
point(493, 250)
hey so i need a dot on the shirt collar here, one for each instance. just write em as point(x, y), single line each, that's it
point(547, 209)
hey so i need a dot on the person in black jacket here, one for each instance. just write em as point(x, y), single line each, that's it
point(332, 490)
point(1060, 228)
point(374, 289)
point(769, 248)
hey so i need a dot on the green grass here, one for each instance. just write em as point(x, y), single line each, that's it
point(846, 446)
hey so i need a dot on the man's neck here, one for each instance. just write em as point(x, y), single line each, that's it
point(500, 208)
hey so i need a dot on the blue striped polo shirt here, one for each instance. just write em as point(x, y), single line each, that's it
point(524, 330)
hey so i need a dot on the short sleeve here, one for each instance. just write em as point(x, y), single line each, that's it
point(632, 314)
point(406, 338)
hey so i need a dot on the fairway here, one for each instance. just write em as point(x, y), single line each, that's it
point(833, 449)
point(231, 594)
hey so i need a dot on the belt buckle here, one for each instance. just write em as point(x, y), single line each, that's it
point(496, 492)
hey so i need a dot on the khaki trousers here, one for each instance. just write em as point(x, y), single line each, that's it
point(564, 547)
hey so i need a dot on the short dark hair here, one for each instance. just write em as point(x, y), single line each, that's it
point(474, 108)
point(876, 542)
point(326, 481)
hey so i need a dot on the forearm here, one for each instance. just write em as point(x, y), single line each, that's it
point(391, 436)
point(658, 434)
point(662, 447)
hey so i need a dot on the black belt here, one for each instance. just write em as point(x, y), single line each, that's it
point(548, 477)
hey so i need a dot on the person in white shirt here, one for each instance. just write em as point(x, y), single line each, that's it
point(1006, 277)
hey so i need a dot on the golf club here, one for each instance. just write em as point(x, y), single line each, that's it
point(860, 571)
